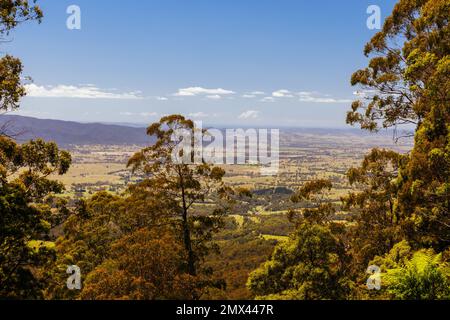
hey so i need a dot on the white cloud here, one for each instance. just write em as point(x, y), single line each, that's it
point(214, 97)
point(314, 97)
point(162, 98)
point(249, 114)
point(252, 94)
point(283, 93)
point(80, 92)
point(306, 93)
point(198, 115)
point(268, 99)
point(197, 91)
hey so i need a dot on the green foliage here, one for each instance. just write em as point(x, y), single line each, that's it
point(399, 196)
point(377, 222)
point(143, 265)
point(308, 266)
point(25, 219)
point(156, 240)
point(423, 277)
point(316, 193)
point(11, 89)
point(14, 12)
point(26, 206)
point(242, 249)
point(88, 234)
point(150, 242)
point(408, 73)
point(408, 56)
point(182, 185)
point(419, 275)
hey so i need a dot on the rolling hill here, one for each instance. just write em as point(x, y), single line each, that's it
point(75, 133)
point(68, 132)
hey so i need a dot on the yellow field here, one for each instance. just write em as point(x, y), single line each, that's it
point(92, 173)
point(276, 238)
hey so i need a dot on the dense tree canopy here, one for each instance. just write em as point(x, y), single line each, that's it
point(414, 275)
point(145, 265)
point(27, 208)
point(308, 266)
point(26, 216)
point(397, 197)
point(409, 77)
point(12, 13)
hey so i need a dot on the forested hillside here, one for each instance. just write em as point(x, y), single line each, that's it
point(187, 230)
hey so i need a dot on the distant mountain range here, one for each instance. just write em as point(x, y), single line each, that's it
point(75, 133)
point(68, 132)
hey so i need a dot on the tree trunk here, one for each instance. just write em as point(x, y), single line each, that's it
point(188, 245)
point(186, 231)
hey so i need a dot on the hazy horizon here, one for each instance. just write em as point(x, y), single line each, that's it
point(345, 127)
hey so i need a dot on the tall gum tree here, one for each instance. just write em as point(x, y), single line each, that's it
point(26, 215)
point(407, 81)
point(184, 186)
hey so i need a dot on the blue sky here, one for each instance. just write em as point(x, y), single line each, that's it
point(228, 62)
